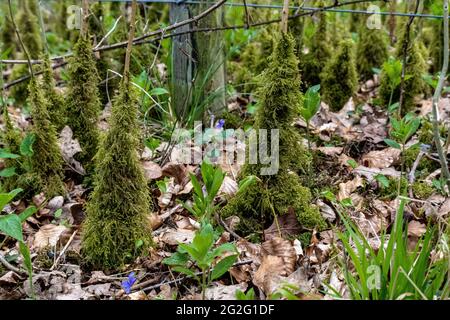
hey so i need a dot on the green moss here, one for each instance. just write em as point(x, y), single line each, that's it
point(83, 102)
point(7, 33)
point(426, 165)
point(313, 63)
point(119, 205)
point(56, 109)
point(390, 192)
point(371, 52)
point(416, 67)
point(46, 161)
point(339, 78)
point(280, 99)
point(305, 239)
point(232, 120)
point(422, 190)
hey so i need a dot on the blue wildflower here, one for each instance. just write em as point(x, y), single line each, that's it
point(127, 284)
point(220, 124)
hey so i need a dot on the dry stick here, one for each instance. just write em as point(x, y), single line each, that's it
point(247, 15)
point(285, 16)
point(144, 38)
point(84, 22)
point(10, 266)
point(405, 57)
point(64, 250)
point(436, 97)
point(126, 69)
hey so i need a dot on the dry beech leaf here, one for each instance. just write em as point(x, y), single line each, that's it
point(69, 148)
point(331, 151)
point(326, 211)
point(178, 171)
point(444, 210)
point(48, 235)
point(221, 292)
point(347, 188)
point(173, 237)
point(416, 229)
point(229, 186)
point(152, 170)
point(299, 278)
point(288, 226)
point(381, 159)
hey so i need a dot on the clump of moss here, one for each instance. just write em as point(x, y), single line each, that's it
point(313, 63)
point(390, 192)
point(46, 161)
point(422, 190)
point(56, 109)
point(371, 52)
point(83, 102)
point(416, 67)
point(339, 78)
point(426, 165)
point(275, 194)
point(119, 205)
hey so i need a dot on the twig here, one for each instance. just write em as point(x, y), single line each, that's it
point(224, 225)
point(126, 70)
point(10, 266)
point(436, 97)
point(64, 250)
point(247, 15)
point(176, 281)
point(109, 33)
point(405, 57)
point(285, 16)
point(84, 22)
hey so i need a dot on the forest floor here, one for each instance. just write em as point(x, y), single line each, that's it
point(351, 158)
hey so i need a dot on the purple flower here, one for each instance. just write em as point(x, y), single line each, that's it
point(220, 124)
point(127, 284)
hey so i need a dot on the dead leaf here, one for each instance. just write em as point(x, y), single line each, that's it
point(299, 279)
point(326, 211)
point(229, 186)
point(347, 188)
point(48, 235)
point(416, 229)
point(331, 151)
point(69, 148)
point(9, 279)
point(222, 292)
point(174, 237)
point(286, 224)
point(152, 170)
point(381, 159)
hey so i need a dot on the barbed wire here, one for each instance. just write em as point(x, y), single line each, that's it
point(296, 8)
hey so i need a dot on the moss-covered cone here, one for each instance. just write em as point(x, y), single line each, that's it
point(371, 52)
point(339, 78)
point(280, 99)
point(10, 139)
point(56, 108)
point(46, 161)
point(83, 102)
point(416, 67)
point(313, 63)
point(119, 205)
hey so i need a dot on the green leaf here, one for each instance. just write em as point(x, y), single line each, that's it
point(246, 182)
point(176, 259)
point(25, 251)
point(28, 212)
point(347, 202)
point(392, 143)
point(185, 271)
point(26, 147)
point(223, 266)
point(311, 103)
point(8, 172)
point(352, 163)
point(8, 155)
point(382, 180)
point(11, 226)
point(5, 198)
point(329, 196)
point(158, 91)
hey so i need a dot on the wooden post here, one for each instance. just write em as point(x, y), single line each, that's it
point(182, 61)
point(198, 62)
